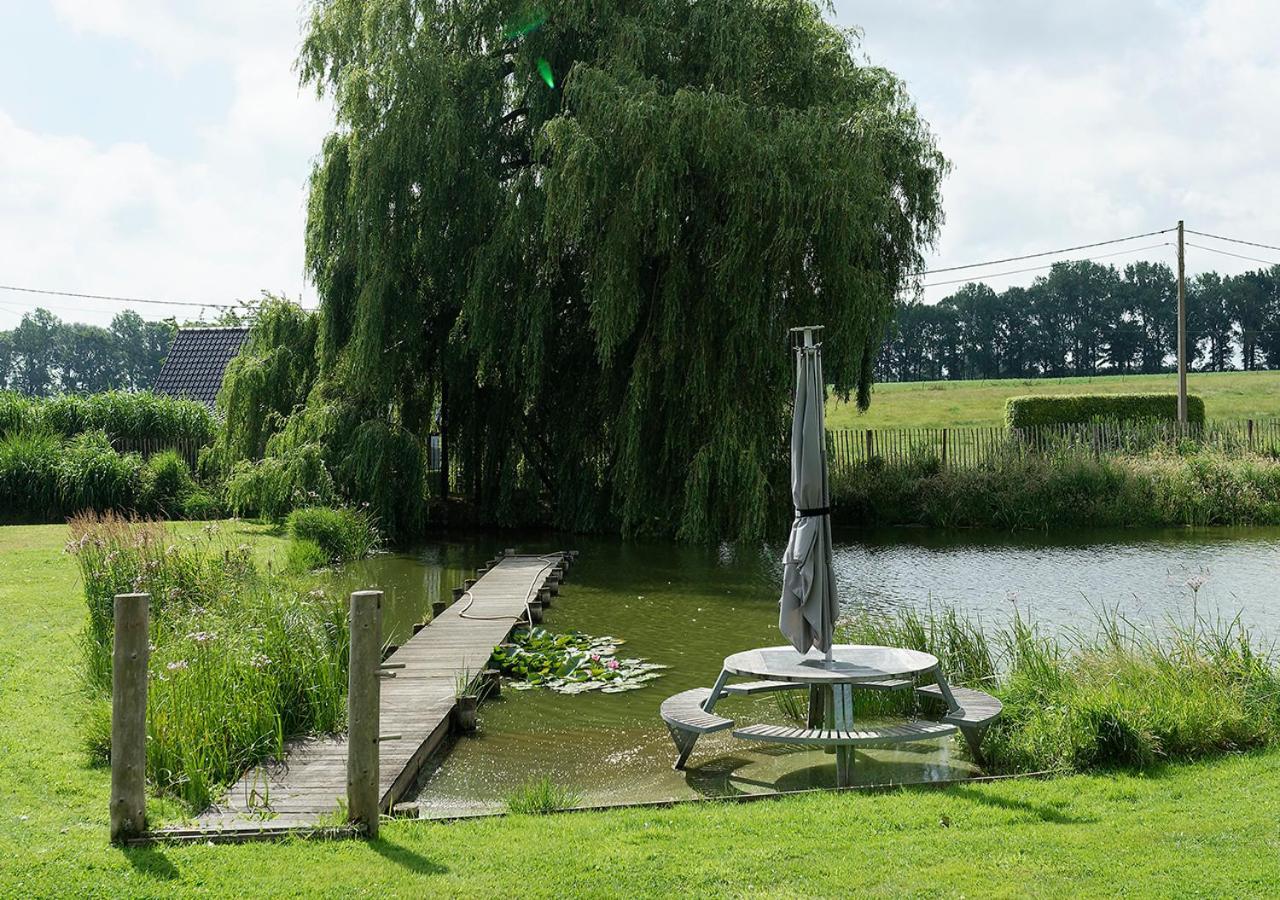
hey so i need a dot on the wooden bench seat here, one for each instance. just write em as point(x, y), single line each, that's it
point(684, 711)
point(914, 730)
point(976, 707)
point(975, 711)
point(687, 720)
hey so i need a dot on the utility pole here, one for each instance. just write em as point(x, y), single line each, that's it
point(1182, 327)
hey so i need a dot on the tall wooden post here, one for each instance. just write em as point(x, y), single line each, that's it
point(1182, 326)
point(130, 655)
point(363, 698)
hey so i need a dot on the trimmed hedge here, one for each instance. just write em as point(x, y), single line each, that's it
point(1081, 409)
point(121, 414)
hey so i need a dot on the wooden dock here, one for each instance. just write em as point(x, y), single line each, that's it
point(309, 786)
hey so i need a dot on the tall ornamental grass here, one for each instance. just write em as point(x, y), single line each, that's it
point(125, 415)
point(1118, 696)
point(44, 476)
point(241, 661)
point(1017, 490)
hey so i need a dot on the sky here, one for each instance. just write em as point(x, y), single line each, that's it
point(160, 148)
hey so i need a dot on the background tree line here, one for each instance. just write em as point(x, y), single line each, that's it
point(1085, 318)
point(44, 355)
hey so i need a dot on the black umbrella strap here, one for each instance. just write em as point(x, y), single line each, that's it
point(819, 511)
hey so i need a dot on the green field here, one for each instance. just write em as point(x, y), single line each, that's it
point(936, 404)
point(1204, 830)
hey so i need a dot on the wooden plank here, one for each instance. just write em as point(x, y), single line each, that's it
point(417, 705)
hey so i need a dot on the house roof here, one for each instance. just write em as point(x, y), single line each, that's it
point(197, 361)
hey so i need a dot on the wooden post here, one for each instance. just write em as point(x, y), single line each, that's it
point(944, 448)
point(363, 699)
point(1251, 434)
point(130, 655)
point(871, 444)
point(1182, 327)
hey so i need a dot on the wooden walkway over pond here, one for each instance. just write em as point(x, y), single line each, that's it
point(310, 785)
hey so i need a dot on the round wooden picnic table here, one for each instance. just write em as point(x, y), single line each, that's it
point(831, 682)
point(850, 664)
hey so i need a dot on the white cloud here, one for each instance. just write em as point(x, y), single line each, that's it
point(1067, 123)
point(1086, 121)
point(217, 224)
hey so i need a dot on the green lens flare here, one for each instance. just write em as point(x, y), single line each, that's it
point(525, 26)
point(544, 69)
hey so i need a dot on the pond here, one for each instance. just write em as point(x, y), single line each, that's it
point(690, 607)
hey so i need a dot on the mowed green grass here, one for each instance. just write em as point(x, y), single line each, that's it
point(1198, 830)
point(952, 404)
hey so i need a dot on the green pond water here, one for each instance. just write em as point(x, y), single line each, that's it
point(688, 608)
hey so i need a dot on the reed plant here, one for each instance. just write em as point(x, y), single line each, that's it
point(241, 661)
point(542, 796)
point(1016, 489)
point(342, 534)
point(1116, 695)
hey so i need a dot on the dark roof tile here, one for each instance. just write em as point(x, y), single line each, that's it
point(197, 361)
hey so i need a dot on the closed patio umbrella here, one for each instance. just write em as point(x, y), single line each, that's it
point(808, 608)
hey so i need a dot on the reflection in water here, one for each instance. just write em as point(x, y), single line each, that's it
point(691, 607)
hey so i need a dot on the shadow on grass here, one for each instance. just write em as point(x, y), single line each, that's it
point(407, 859)
point(152, 862)
point(1042, 811)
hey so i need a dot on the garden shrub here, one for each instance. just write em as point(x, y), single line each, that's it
point(200, 505)
point(342, 534)
point(1081, 409)
point(170, 483)
point(241, 661)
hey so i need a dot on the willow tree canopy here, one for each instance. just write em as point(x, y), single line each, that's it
point(586, 227)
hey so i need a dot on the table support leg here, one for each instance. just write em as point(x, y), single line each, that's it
point(842, 720)
point(817, 706)
point(940, 679)
point(710, 703)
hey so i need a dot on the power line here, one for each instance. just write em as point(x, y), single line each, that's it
point(997, 262)
point(1050, 266)
point(1265, 262)
point(51, 293)
point(1218, 237)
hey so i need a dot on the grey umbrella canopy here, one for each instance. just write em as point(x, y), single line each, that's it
point(808, 608)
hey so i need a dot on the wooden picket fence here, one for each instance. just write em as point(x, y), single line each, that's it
point(969, 447)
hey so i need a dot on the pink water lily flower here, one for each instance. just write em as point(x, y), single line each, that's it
point(613, 664)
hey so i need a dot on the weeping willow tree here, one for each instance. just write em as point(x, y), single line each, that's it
point(265, 383)
point(575, 235)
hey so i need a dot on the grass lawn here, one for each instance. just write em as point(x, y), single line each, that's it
point(1211, 829)
point(937, 404)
